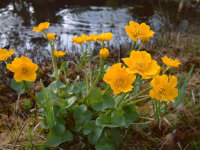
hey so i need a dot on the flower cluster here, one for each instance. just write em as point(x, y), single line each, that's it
point(101, 37)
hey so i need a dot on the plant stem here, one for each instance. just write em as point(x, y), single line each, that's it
point(31, 94)
point(122, 98)
point(140, 47)
point(135, 96)
point(166, 70)
point(65, 74)
point(133, 46)
point(89, 64)
point(138, 100)
point(85, 68)
point(106, 90)
point(55, 67)
point(96, 80)
point(102, 44)
point(165, 107)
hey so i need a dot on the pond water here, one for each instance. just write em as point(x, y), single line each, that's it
point(74, 17)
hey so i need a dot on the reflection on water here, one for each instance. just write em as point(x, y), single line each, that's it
point(71, 18)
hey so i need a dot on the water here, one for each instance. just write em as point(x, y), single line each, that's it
point(72, 18)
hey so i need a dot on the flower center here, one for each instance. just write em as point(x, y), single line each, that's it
point(137, 32)
point(24, 69)
point(119, 81)
point(140, 65)
point(162, 90)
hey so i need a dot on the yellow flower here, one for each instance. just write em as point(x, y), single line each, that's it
point(80, 40)
point(92, 37)
point(119, 79)
point(104, 36)
point(145, 33)
point(42, 26)
point(59, 53)
point(164, 89)
point(104, 53)
point(51, 36)
point(23, 69)
point(139, 31)
point(5, 54)
point(170, 62)
point(141, 62)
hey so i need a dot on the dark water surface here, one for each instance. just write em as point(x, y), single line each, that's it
point(70, 18)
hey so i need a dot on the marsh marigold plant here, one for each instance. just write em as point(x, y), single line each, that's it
point(42, 26)
point(164, 88)
point(5, 54)
point(170, 62)
point(119, 79)
point(23, 69)
point(140, 62)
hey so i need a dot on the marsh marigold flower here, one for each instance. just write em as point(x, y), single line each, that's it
point(119, 79)
point(104, 53)
point(5, 54)
point(51, 36)
point(139, 31)
point(23, 69)
point(92, 37)
point(42, 26)
point(80, 39)
point(140, 62)
point(104, 36)
point(170, 62)
point(59, 53)
point(164, 88)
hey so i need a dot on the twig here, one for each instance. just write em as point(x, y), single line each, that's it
point(13, 146)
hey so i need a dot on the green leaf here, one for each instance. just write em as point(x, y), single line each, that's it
point(54, 139)
point(181, 92)
point(100, 102)
point(64, 66)
point(17, 86)
point(104, 146)
point(28, 84)
point(79, 88)
point(130, 114)
point(55, 85)
point(93, 137)
point(116, 119)
point(78, 115)
point(89, 127)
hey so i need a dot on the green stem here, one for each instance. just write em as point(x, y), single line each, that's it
point(166, 70)
point(140, 47)
point(107, 90)
point(133, 46)
point(138, 100)
point(102, 44)
point(31, 94)
point(65, 74)
point(53, 57)
point(157, 111)
point(135, 96)
point(89, 64)
point(85, 68)
point(122, 98)
point(96, 80)
point(154, 112)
